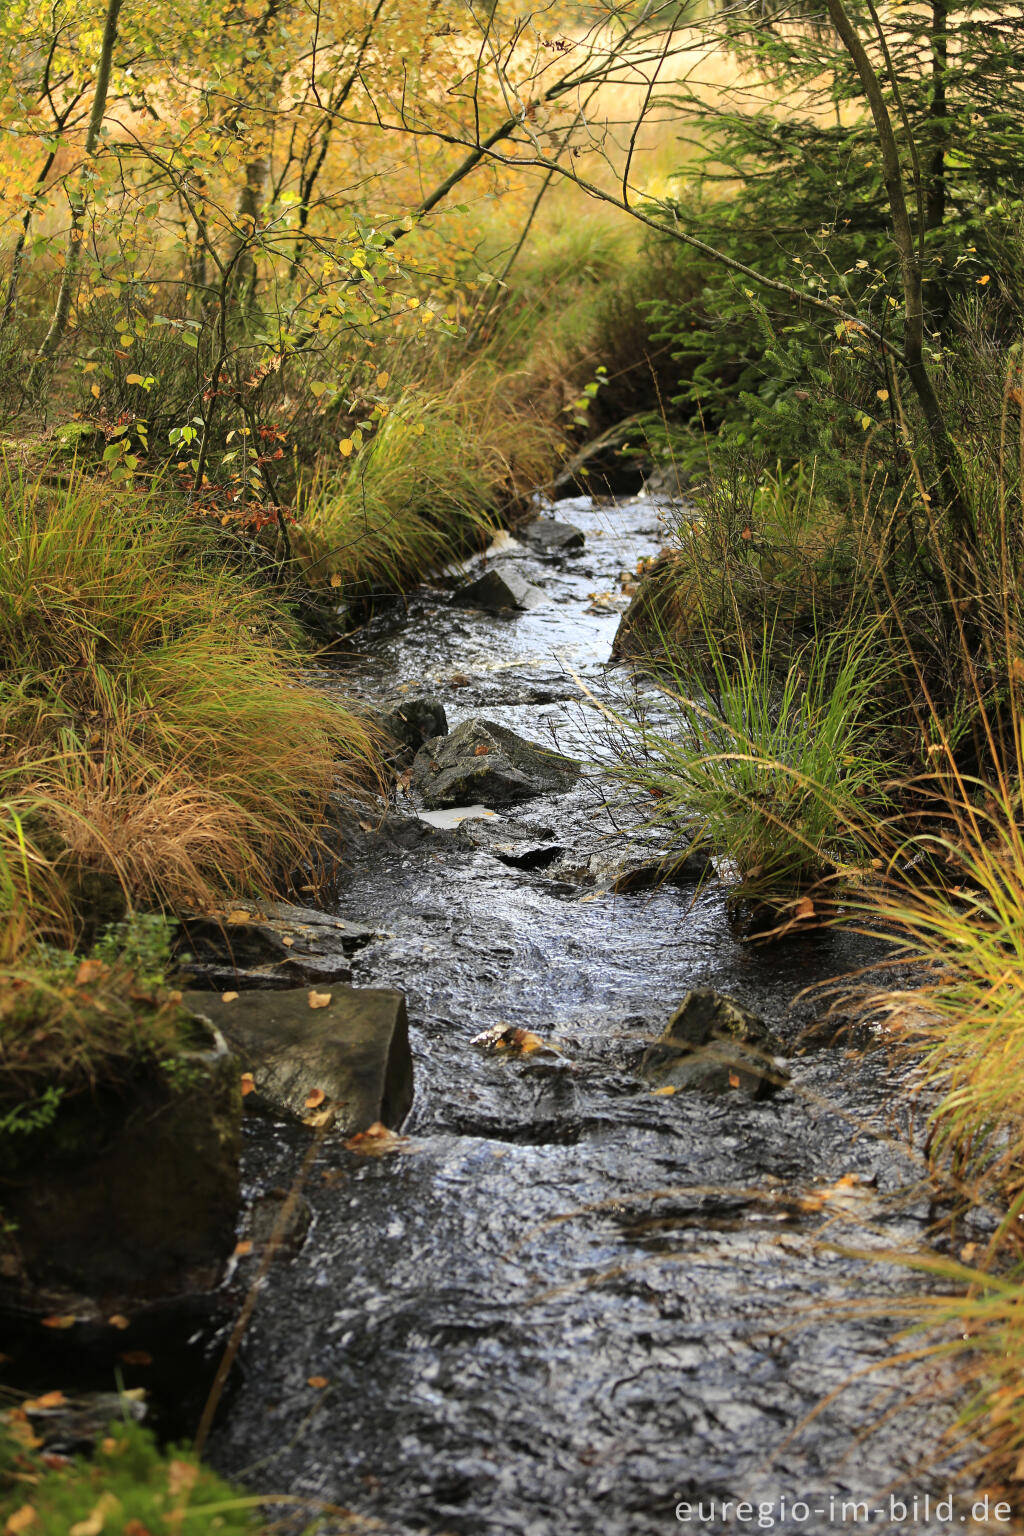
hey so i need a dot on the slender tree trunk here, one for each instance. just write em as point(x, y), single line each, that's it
point(939, 117)
point(943, 449)
point(58, 325)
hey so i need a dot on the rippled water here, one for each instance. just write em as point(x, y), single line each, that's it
point(569, 1304)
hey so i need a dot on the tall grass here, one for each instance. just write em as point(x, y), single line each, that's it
point(426, 489)
point(154, 725)
point(775, 770)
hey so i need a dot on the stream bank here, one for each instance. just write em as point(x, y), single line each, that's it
point(565, 1304)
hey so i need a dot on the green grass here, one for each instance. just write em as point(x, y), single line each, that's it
point(773, 768)
point(128, 1488)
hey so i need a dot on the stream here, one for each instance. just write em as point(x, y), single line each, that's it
point(568, 1304)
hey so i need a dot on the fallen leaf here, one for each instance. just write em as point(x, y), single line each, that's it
point(734, 1080)
point(506, 1037)
point(746, 535)
point(181, 1478)
point(319, 999)
point(136, 1357)
point(41, 1404)
point(663, 1093)
point(238, 916)
point(21, 1520)
point(243, 1248)
point(287, 940)
point(968, 1253)
point(89, 971)
point(92, 1525)
point(482, 750)
point(318, 1117)
point(458, 680)
point(319, 1382)
point(248, 1085)
point(118, 1320)
point(376, 1141)
point(314, 1098)
point(335, 580)
point(804, 907)
point(229, 997)
point(109, 1446)
point(66, 1320)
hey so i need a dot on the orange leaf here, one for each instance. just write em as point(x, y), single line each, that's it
point(181, 1478)
point(319, 999)
point(229, 997)
point(319, 1382)
point(315, 1098)
point(804, 907)
point(248, 1086)
point(136, 1357)
point(734, 1080)
point(89, 971)
point(242, 1248)
point(376, 1141)
point(66, 1321)
point(482, 750)
point(118, 1321)
point(48, 1400)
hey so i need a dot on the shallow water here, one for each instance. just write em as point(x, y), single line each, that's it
point(569, 1304)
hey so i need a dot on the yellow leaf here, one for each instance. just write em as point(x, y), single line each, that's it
point(335, 580)
point(240, 915)
point(382, 380)
point(68, 1320)
point(663, 1093)
point(319, 999)
point(346, 445)
point(21, 1520)
point(118, 1320)
point(883, 394)
point(248, 1085)
point(412, 302)
point(92, 1525)
point(134, 378)
point(94, 390)
point(229, 997)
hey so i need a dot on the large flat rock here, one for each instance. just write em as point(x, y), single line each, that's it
point(269, 944)
point(482, 763)
point(353, 1048)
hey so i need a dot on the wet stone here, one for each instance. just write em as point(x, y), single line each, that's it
point(415, 721)
point(714, 1044)
point(501, 588)
point(272, 945)
point(548, 536)
point(350, 1045)
point(487, 763)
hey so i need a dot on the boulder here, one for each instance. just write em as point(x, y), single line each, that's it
point(133, 1191)
point(415, 721)
point(549, 537)
point(269, 944)
point(666, 482)
point(353, 1048)
point(499, 588)
point(481, 762)
point(713, 1043)
point(626, 872)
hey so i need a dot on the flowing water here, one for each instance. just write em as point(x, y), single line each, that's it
point(568, 1304)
